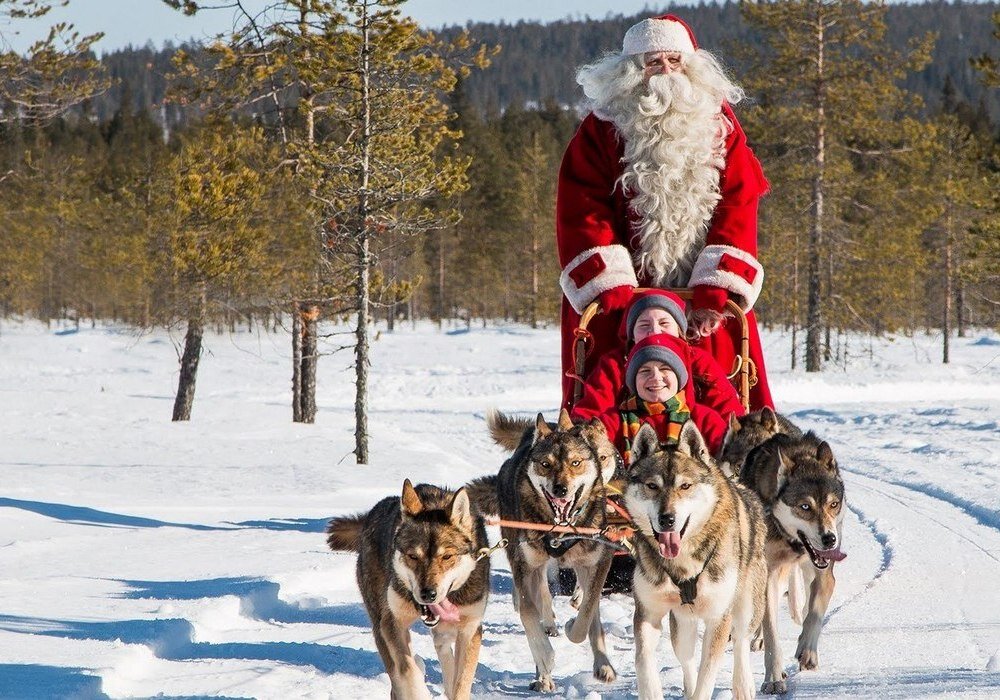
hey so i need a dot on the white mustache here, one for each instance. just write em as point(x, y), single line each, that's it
point(671, 91)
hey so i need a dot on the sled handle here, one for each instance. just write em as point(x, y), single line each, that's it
point(744, 372)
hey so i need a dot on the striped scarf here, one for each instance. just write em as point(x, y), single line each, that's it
point(634, 409)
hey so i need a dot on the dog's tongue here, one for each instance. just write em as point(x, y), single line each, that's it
point(560, 505)
point(831, 554)
point(670, 544)
point(446, 611)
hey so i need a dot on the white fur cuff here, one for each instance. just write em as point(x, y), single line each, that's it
point(596, 270)
point(731, 269)
point(657, 35)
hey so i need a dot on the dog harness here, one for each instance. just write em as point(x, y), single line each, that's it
point(689, 587)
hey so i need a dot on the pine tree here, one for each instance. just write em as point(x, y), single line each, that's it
point(354, 93)
point(207, 244)
point(55, 73)
point(828, 100)
point(987, 63)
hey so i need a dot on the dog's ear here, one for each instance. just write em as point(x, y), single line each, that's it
point(460, 512)
point(607, 454)
point(731, 430)
point(410, 500)
point(691, 443)
point(645, 443)
point(824, 455)
point(565, 422)
point(784, 468)
point(768, 419)
point(734, 424)
point(763, 470)
point(541, 428)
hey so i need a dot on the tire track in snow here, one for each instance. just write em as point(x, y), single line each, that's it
point(930, 513)
point(986, 518)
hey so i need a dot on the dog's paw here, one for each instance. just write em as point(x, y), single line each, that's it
point(774, 687)
point(550, 629)
point(757, 644)
point(543, 685)
point(808, 659)
point(577, 598)
point(605, 672)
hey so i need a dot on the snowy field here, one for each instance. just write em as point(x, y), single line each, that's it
point(142, 558)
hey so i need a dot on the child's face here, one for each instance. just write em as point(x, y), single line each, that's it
point(655, 382)
point(652, 321)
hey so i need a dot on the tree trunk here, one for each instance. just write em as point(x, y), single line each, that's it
point(296, 363)
point(310, 359)
point(189, 362)
point(534, 223)
point(814, 316)
point(364, 260)
point(960, 305)
point(440, 299)
point(946, 312)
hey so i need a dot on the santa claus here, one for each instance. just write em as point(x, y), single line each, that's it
point(658, 188)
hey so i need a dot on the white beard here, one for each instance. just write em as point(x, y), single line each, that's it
point(674, 133)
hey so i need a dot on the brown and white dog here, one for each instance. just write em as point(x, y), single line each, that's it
point(799, 483)
point(699, 557)
point(420, 558)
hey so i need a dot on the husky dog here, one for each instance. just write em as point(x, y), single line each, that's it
point(799, 483)
point(419, 558)
point(748, 432)
point(699, 556)
point(556, 476)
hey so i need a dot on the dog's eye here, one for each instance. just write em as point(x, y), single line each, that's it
point(652, 486)
point(685, 486)
point(575, 463)
point(545, 465)
point(835, 505)
point(412, 557)
point(447, 557)
point(805, 506)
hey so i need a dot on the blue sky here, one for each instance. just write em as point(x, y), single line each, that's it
point(138, 21)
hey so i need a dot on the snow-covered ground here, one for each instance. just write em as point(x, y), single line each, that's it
point(140, 557)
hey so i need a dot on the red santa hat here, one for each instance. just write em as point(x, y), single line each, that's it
point(661, 347)
point(663, 33)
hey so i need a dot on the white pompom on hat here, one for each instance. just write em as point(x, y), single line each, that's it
point(663, 33)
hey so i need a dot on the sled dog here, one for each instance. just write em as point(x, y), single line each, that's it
point(419, 559)
point(748, 432)
point(555, 476)
point(699, 556)
point(799, 484)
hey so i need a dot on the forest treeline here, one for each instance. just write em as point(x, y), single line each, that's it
point(288, 172)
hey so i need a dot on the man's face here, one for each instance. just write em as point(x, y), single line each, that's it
point(652, 321)
point(655, 382)
point(660, 63)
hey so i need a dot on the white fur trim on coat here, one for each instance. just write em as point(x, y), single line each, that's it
point(706, 271)
point(657, 35)
point(618, 271)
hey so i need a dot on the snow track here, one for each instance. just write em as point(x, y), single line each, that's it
point(142, 557)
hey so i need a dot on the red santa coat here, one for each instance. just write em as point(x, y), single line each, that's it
point(596, 245)
point(709, 396)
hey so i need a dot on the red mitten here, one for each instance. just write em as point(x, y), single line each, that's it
point(707, 297)
point(615, 298)
point(706, 314)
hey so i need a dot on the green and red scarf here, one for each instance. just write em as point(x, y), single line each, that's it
point(634, 409)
